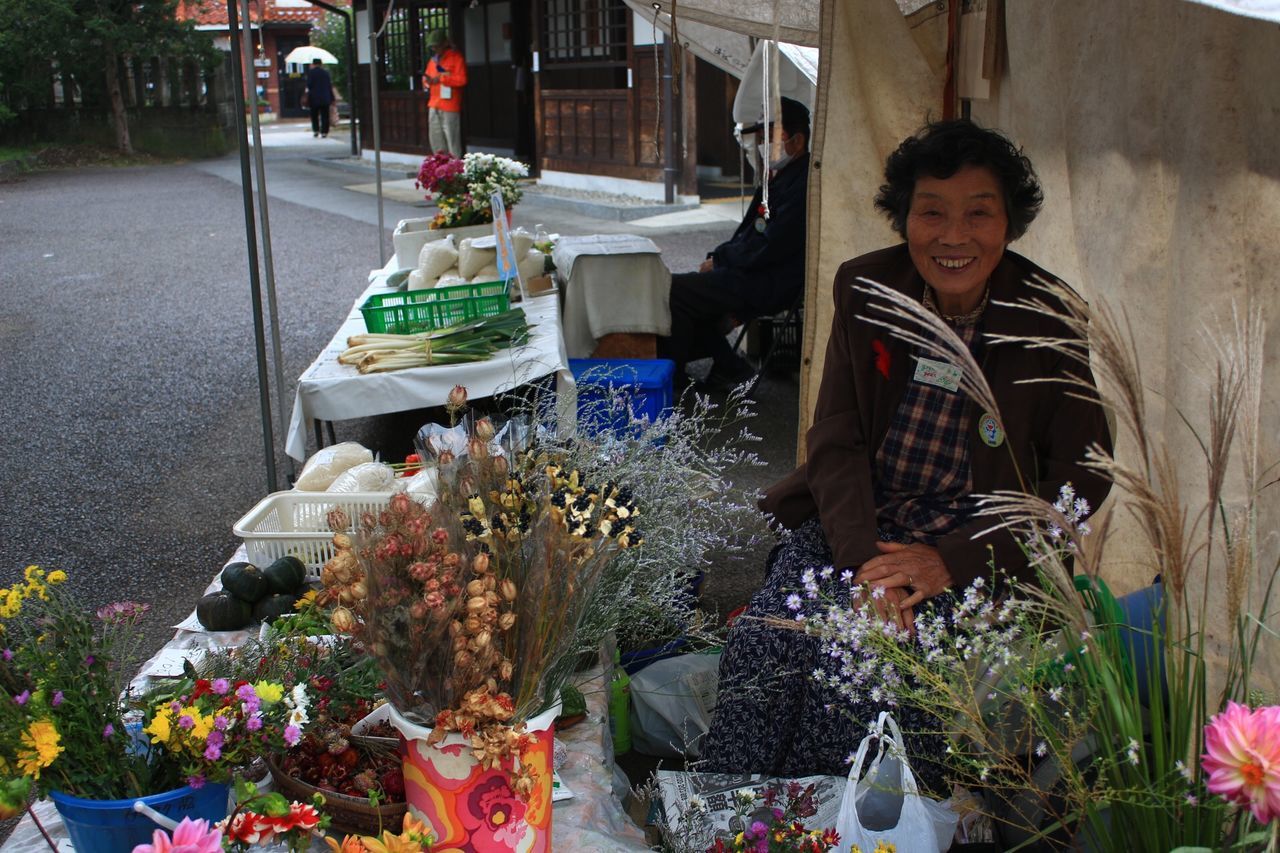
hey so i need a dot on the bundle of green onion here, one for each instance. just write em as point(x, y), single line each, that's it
point(474, 340)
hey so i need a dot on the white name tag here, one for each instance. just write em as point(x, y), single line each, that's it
point(938, 373)
point(446, 92)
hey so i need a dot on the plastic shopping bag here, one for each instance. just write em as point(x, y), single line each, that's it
point(885, 804)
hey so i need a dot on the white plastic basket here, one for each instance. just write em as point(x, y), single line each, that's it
point(297, 523)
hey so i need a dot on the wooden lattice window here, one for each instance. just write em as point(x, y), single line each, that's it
point(585, 31)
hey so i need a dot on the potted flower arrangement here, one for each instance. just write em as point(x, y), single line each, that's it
point(471, 609)
point(1080, 719)
point(65, 732)
point(461, 188)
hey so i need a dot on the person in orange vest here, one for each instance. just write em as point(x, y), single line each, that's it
point(443, 79)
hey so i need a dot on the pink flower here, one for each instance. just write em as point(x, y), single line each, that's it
point(1242, 758)
point(292, 734)
point(190, 836)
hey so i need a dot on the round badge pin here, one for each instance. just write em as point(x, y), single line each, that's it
point(761, 224)
point(990, 430)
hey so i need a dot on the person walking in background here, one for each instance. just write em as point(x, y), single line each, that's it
point(319, 97)
point(443, 79)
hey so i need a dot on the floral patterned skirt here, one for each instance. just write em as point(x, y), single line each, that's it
point(771, 716)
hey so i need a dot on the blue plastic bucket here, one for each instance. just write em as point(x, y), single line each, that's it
point(112, 826)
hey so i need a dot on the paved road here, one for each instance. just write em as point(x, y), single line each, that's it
point(129, 383)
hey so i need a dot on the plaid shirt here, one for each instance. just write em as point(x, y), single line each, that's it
point(923, 484)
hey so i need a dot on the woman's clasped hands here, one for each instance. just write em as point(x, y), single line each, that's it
point(908, 574)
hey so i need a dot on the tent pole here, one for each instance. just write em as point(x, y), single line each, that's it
point(354, 90)
point(374, 70)
point(668, 125)
point(255, 288)
point(268, 264)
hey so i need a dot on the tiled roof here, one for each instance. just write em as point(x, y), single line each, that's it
point(208, 12)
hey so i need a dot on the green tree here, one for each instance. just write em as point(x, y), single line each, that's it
point(84, 42)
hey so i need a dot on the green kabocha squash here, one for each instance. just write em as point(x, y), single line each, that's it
point(246, 582)
point(273, 607)
point(285, 574)
point(222, 611)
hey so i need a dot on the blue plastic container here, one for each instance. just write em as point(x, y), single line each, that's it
point(112, 826)
point(606, 386)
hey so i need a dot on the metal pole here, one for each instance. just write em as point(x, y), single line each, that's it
point(268, 265)
point(668, 124)
point(351, 84)
point(255, 288)
point(374, 70)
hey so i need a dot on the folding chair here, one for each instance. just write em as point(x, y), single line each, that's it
point(783, 334)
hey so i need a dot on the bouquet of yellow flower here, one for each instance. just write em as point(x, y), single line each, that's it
point(62, 670)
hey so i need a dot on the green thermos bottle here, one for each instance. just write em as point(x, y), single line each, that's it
point(620, 708)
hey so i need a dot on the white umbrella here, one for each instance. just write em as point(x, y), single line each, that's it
point(307, 54)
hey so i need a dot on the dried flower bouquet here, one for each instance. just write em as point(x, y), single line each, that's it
point(471, 608)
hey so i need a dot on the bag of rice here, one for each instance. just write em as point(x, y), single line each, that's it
point(471, 260)
point(419, 282)
point(450, 278)
point(488, 273)
point(521, 241)
point(328, 462)
point(436, 257)
point(369, 477)
point(532, 264)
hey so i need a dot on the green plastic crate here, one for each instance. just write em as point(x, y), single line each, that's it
point(421, 310)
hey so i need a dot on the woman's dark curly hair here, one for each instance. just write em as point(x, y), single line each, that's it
point(942, 148)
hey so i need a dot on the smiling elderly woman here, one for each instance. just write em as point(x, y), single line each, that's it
point(897, 453)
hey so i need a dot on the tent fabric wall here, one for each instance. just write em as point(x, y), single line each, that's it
point(1152, 124)
point(874, 89)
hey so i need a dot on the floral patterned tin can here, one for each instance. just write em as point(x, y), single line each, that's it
point(468, 808)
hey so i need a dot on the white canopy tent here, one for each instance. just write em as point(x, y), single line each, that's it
point(1152, 126)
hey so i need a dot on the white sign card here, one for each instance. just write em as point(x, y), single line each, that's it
point(508, 266)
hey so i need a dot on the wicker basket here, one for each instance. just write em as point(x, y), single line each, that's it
point(350, 816)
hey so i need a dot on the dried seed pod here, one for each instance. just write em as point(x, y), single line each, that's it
point(475, 587)
point(508, 589)
point(506, 621)
point(342, 542)
point(476, 603)
point(343, 620)
point(480, 563)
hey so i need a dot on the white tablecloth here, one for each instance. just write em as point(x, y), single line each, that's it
point(330, 391)
point(591, 822)
point(614, 283)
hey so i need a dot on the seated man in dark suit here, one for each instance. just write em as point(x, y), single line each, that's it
point(758, 271)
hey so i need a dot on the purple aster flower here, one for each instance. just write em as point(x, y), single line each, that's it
point(108, 731)
point(185, 722)
point(215, 738)
point(221, 723)
point(23, 697)
point(175, 706)
point(793, 602)
point(7, 654)
point(196, 782)
point(292, 734)
point(57, 698)
point(245, 692)
point(212, 752)
point(253, 723)
point(220, 686)
point(90, 660)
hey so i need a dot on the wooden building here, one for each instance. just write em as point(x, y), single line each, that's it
point(572, 87)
